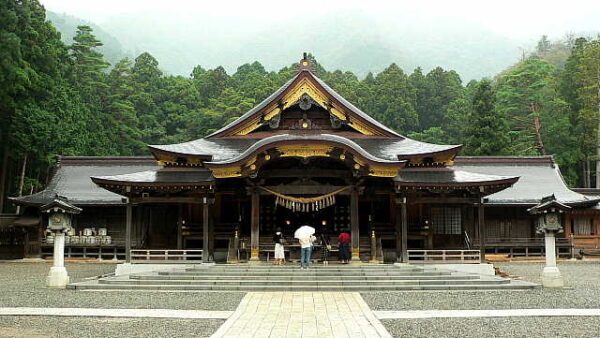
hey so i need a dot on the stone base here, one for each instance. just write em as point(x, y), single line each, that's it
point(128, 268)
point(57, 278)
point(551, 278)
point(485, 269)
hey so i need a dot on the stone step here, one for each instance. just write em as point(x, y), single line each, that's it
point(258, 282)
point(300, 277)
point(349, 288)
point(313, 266)
point(299, 272)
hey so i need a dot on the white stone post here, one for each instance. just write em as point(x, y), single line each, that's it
point(551, 277)
point(58, 277)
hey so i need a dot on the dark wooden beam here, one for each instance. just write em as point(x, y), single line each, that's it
point(128, 214)
point(254, 225)
point(271, 173)
point(141, 200)
point(304, 189)
point(404, 233)
point(179, 227)
point(354, 223)
point(205, 231)
point(445, 200)
point(481, 226)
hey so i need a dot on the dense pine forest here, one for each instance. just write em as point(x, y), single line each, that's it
point(67, 99)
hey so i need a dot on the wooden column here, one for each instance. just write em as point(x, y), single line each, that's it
point(354, 223)
point(128, 213)
point(254, 226)
point(404, 232)
point(179, 227)
point(481, 226)
point(401, 230)
point(205, 231)
point(211, 230)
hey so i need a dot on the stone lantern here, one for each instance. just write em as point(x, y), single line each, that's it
point(59, 222)
point(549, 212)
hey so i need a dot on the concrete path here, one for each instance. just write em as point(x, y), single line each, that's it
point(302, 314)
point(416, 314)
point(131, 313)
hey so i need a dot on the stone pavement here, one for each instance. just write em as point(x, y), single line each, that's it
point(302, 314)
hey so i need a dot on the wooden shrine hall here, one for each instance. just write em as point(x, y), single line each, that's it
point(304, 155)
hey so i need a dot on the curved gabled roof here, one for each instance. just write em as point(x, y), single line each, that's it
point(274, 141)
point(266, 102)
point(273, 99)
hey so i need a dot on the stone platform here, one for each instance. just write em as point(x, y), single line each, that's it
point(243, 277)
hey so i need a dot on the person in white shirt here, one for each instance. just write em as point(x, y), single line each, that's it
point(306, 245)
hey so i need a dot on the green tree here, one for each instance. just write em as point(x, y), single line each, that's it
point(589, 100)
point(487, 133)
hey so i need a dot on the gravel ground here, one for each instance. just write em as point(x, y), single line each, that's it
point(22, 284)
point(529, 327)
point(45, 327)
point(582, 291)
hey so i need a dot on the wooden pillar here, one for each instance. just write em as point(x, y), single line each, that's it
point(206, 257)
point(254, 226)
point(354, 223)
point(179, 226)
point(128, 214)
point(404, 232)
point(211, 230)
point(481, 226)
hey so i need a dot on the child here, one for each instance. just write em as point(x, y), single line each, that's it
point(279, 252)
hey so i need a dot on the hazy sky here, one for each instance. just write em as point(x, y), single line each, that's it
point(514, 18)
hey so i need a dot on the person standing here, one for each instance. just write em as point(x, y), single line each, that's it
point(325, 248)
point(306, 244)
point(279, 248)
point(344, 246)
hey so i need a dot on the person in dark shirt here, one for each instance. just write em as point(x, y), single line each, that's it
point(344, 246)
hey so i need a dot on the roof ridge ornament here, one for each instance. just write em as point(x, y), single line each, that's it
point(305, 64)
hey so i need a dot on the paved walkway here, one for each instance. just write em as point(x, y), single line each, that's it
point(416, 314)
point(302, 314)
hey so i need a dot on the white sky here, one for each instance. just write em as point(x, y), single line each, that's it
point(513, 18)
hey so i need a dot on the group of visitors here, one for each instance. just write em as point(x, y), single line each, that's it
point(307, 243)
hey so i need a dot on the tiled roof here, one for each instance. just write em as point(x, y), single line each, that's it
point(451, 176)
point(539, 177)
point(72, 180)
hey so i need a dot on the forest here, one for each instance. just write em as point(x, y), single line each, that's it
point(67, 99)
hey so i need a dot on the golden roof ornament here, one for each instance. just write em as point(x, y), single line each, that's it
point(305, 64)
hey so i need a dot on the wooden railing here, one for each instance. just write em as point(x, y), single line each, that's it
point(525, 246)
point(444, 256)
point(165, 256)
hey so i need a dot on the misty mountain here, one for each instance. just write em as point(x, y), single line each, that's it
point(347, 40)
point(67, 26)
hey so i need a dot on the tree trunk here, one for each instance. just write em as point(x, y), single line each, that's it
point(598, 136)
point(537, 128)
point(3, 174)
point(22, 180)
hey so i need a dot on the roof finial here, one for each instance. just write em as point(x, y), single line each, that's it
point(305, 64)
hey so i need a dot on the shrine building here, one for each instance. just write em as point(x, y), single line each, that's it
point(305, 155)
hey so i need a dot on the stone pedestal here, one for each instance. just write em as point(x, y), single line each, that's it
point(58, 277)
point(551, 277)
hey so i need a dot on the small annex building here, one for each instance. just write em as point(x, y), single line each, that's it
point(305, 155)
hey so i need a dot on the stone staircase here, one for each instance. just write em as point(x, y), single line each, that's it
point(243, 277)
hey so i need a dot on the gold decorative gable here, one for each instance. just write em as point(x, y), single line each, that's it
point(304, 86)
